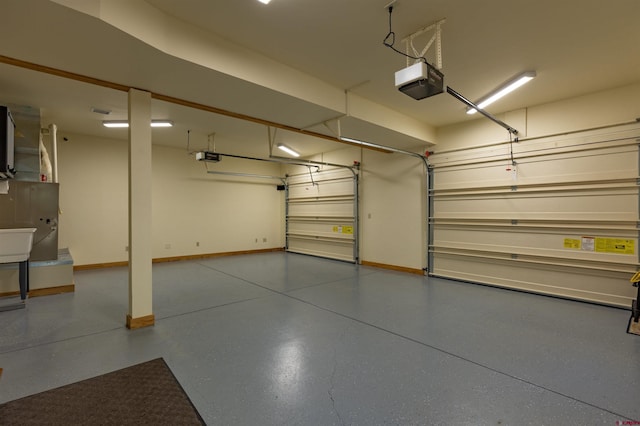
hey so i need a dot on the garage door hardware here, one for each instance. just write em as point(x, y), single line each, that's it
point(634, 324)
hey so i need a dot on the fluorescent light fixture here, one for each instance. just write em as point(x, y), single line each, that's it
point(161, 123)
point(113, 124)
point(264, 1)
point(125, 124)
point(287, 149)
point(503, 90)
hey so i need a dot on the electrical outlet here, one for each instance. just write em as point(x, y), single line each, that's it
point(167, 246)
point(197, 243)
point(256, 240)
point(126, 248)
point(264, 239)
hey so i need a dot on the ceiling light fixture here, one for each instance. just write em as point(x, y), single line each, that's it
point(161, 123)
point(287, 149)
point(113, 124)
point(100, 111)
point(503, 90)
point(124, 124)
point(264, 1)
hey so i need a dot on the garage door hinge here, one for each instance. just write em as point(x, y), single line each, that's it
point(514, 188)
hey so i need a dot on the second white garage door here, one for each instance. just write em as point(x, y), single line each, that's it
point(322, 214)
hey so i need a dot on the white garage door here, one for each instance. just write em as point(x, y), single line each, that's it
point(322, 214)
point(562, 221)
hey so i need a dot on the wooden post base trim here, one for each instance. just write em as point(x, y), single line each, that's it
point(634, 327)
point(147, 321)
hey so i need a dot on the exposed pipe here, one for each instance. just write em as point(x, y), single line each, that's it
point(53, 130)
point(380, 147)
point(399, 151)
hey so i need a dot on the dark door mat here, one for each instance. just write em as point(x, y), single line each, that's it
point(144, 394)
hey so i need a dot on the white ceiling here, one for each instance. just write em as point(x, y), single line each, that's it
point(575, 46)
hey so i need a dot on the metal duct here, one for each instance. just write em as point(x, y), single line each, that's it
point(27, 142)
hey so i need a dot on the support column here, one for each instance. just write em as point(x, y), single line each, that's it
point(140, 276)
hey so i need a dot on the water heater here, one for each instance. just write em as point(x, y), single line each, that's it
point(7, 129)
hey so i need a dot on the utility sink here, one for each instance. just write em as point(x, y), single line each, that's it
point(15, 244)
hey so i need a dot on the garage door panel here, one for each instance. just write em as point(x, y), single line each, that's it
point(592, 204)
point(539, 166)
point(338, 229)
point(555, 244)
point(325, 188)
point(321, 208)
point(340, 250)
point(563, 221)
point(607, 288)
point(322, 217)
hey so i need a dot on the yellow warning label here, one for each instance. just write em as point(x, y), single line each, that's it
point(615, 245)
point(601, 245)
point(635, 278)
point(343, 229)
point(572, 243)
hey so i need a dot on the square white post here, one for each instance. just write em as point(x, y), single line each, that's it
point(140, 232)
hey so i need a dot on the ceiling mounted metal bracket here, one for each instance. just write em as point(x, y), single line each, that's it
point(336, 134)
point(323, 122)
point(435, 37)
point(390, 4)
point(271, 138)
point(211, 138)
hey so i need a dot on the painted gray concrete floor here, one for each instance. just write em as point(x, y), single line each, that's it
point(279, 339)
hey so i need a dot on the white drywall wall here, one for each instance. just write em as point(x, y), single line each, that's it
point(604, 108)
point(221, 213)
point(392, 206)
